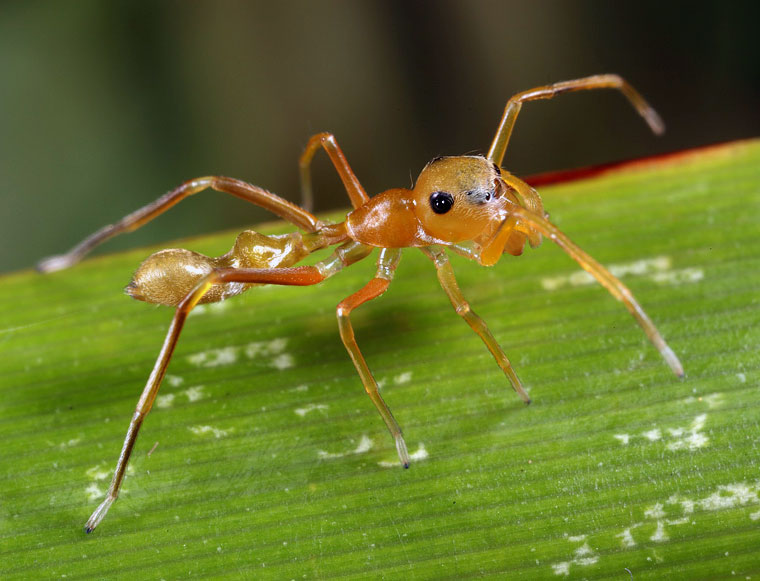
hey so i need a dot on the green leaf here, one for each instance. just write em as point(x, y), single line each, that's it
point(265, 459)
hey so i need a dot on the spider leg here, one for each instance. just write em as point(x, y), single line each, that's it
point(462, 308)
point(245, 191)
point(616, 288)
point(386, 265)
point(529, 198)
point(296, 276)
point(503, 133)
point(355, 191)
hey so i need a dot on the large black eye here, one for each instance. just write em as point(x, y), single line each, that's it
point(441, 202)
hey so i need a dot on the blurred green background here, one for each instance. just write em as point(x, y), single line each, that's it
point(106, 105)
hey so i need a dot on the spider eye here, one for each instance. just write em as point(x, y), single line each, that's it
point(441, 202)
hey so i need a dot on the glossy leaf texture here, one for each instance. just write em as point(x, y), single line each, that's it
point(264, 458)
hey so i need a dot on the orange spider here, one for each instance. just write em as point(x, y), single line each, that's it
point(467, 204)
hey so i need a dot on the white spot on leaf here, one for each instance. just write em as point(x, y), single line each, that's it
point(97, 473)
point(725, 497)
point(274, 350)
point(584, 556)
point(562, 568)
point(729, 496)
point(69, 443)
point(283, 361)
point(266, 348)
point(403, 378)
point(165, 401)
point(655, 511)
point(657, 269)
point(201, 430)
point(364, 446)
point(214, 357)
point(94, 493)
point(679, 437)
point(626, 537)
point(194, 393)
point(659, 535)
point(691, 438)
point(653, 435)
point(713, 400)
point(679, 276)
point(310, 408)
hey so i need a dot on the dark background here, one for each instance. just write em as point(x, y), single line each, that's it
point(106, 105)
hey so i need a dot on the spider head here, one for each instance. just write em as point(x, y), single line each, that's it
point(466, 198)
point(455, 198)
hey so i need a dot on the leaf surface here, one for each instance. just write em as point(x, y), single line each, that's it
point(264, 458)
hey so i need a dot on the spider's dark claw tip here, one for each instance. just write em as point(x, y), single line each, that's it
point(406, 465)
point(88, 530)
